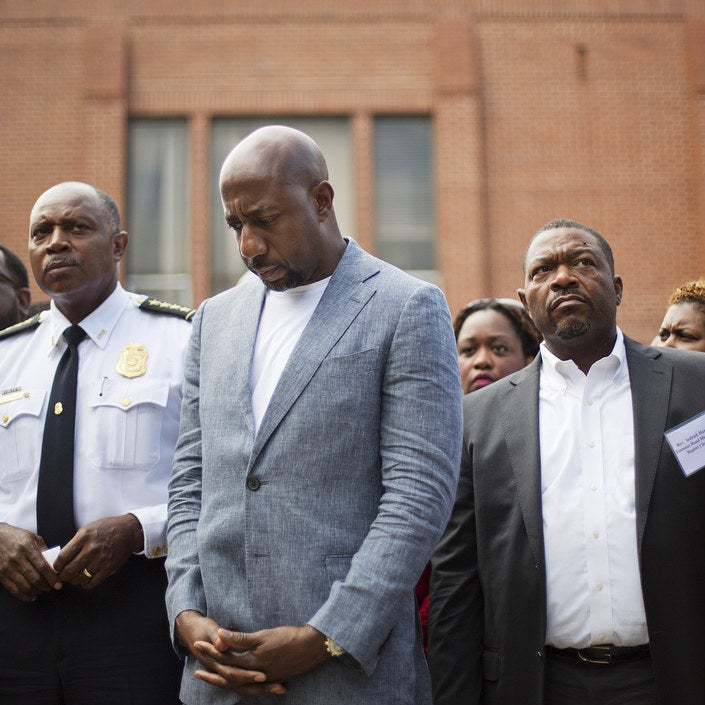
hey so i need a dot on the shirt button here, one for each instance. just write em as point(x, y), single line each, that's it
point(601, 637)
point(590, 444)
point(599, 587)
point(595, 534)
point(5, 418)
point(593, 487)
point(589, 402)
point(125, 401)
point(253, 483)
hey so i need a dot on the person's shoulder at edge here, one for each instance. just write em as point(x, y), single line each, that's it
point(390, 270)
point(164, 308)
point(25, 326)
point(673, 355)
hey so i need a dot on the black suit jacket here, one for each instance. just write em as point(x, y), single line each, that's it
point(488, 593)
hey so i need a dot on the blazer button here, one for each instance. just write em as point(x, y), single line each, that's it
point(253, 483)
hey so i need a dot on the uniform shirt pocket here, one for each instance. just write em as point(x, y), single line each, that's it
point(126, 423)
point(21, 430)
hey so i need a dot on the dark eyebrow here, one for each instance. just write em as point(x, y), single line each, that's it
point(490, 338)
point(256, 211)
point(540, 260)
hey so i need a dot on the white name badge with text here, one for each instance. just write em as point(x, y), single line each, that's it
point(687, 441)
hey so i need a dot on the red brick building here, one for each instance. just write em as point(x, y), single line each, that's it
point(454, 128)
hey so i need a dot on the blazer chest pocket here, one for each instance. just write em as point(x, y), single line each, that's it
point(126, 425)
point(21, 431)
point(347, 376)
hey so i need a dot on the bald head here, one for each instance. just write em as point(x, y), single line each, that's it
point(277, 153)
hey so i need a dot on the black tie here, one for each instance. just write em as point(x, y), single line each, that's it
point(55, 520)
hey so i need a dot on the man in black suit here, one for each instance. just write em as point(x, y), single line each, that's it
point(573, 567)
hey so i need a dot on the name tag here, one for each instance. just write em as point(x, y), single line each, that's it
point(7, 398)
point(687, 441)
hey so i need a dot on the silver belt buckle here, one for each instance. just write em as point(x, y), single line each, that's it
point(605, 658)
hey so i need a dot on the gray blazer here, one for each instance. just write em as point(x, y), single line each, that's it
point(488, 597)
point(329, 513)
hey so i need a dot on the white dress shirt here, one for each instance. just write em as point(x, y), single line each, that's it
point(588, 502)
point(126, 428)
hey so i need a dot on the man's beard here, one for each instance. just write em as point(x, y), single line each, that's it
point(572, 329)
point(291, 280)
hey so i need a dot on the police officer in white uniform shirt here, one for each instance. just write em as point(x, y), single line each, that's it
point(88, 625)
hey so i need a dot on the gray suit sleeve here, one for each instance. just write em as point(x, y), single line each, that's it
point(420, 434)
point(185, 590)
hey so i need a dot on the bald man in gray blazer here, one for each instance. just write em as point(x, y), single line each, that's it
point(301, 516)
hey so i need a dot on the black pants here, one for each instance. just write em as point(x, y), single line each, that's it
point(571, 682)
point(107, 646)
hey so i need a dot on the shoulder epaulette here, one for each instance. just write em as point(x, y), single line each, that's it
point(22, 326)
point(157, 306)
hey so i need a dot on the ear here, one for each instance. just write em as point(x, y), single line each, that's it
point(322, 194)
point(522, 297)
point(618, 288)
point(119, 245)
point(23, 298)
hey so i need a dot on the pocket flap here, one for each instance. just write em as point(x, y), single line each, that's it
point(26, 403)
point(126, 395)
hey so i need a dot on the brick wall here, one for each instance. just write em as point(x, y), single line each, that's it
point(592, 110)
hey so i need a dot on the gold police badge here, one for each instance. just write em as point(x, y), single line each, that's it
point(133, 360)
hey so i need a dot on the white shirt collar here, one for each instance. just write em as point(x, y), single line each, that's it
point(557, 372)
point(98, 324)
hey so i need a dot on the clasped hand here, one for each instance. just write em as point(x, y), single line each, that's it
point(101, 547)
point(254, 663)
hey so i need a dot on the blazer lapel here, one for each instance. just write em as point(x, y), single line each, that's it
point(519, 406)
point(245, 309)
point(650, 381)
point(345, 296)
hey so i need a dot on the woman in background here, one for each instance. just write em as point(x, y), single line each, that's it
point(495, 337)
point(683, 325)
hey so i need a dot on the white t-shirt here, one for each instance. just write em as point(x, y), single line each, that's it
point(285, 314)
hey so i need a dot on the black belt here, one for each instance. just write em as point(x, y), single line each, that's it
point(602, 654)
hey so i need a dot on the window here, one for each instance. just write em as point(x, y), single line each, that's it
point(404, 210)
point(157, 212)
point(333, 137)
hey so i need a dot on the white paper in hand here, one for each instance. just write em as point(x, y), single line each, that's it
point(50, 554)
